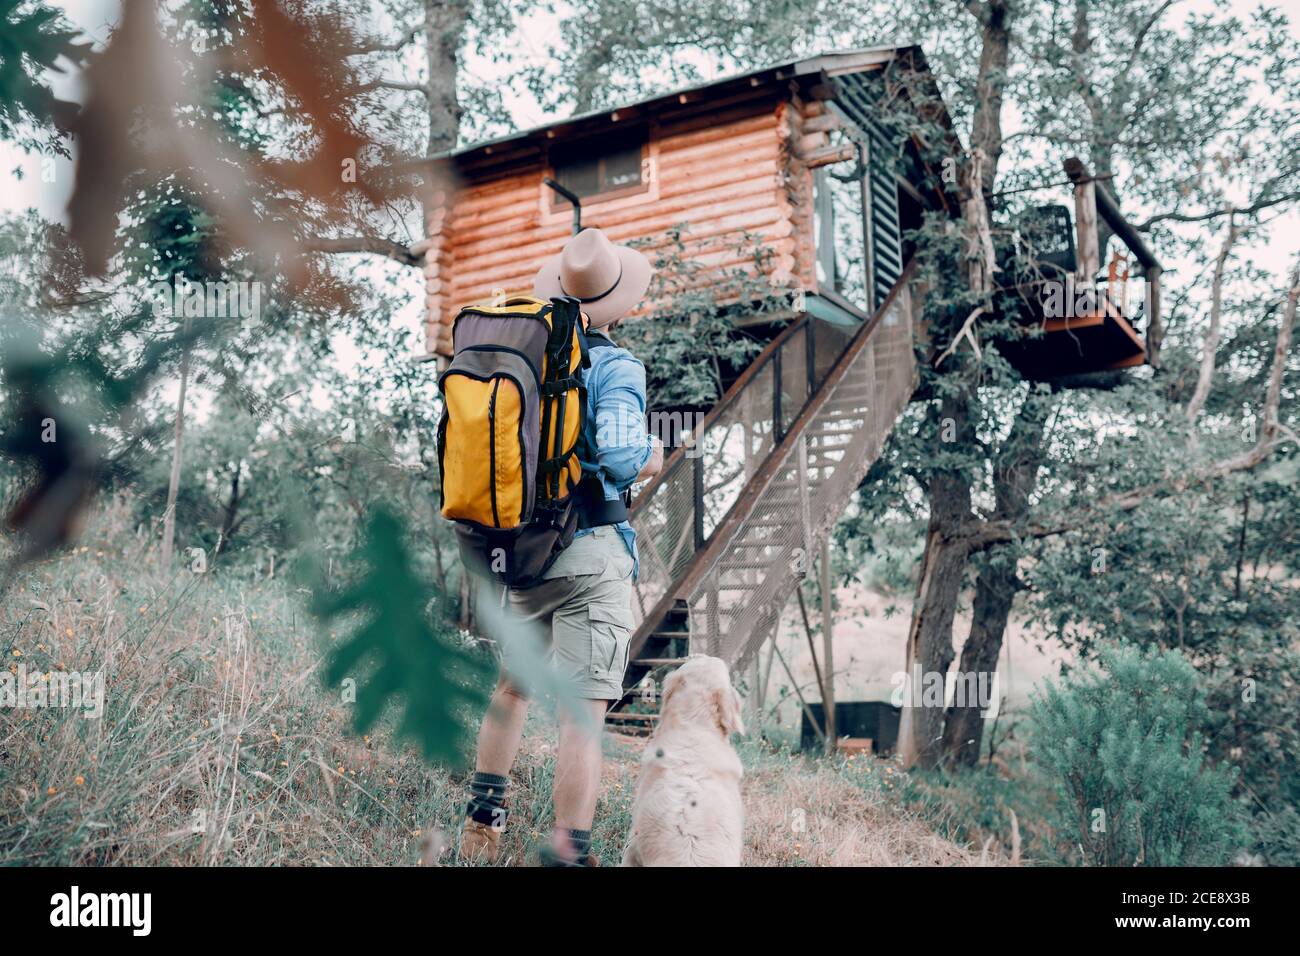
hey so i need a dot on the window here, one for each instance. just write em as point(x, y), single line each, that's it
point(840, 226)
point(601, 165)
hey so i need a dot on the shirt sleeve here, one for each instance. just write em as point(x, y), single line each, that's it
point(623, 445)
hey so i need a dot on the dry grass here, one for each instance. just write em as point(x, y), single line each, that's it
point(802, 812)
point(221, 749)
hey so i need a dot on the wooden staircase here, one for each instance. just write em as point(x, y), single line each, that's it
point(661, 651)
point(726, 531)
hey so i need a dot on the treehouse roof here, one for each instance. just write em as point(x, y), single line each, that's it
point(809, 70)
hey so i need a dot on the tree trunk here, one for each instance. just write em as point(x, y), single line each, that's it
point(1210, 347)
point(930, 646)
point(963, 729)
point(929, 640)
point(174, 480)
point(1014, 478)
point(231, 510)
point(929, 643)
point(445, 22)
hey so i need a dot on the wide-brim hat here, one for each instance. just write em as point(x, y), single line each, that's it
point(608, 280)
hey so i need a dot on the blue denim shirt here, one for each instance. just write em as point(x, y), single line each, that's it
point(615, 428)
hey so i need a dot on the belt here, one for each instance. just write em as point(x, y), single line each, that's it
point(593, 508)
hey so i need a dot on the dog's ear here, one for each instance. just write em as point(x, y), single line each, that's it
point(669, 688)
point(726, 703)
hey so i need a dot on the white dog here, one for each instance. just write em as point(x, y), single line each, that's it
point(687, 809)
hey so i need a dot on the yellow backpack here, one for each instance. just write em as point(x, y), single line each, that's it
point(508, 440)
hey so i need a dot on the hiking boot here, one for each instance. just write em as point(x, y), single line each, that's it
point(479, 842)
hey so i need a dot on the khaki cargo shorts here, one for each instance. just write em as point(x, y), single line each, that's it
point(585, 603)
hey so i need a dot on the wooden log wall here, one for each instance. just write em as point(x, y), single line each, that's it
point(725, 165)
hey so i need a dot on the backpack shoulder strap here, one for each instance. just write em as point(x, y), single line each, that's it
point(598, 340)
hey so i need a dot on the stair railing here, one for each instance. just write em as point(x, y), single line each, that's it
point(679, 514)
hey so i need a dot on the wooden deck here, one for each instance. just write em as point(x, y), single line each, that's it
point(1101, 339)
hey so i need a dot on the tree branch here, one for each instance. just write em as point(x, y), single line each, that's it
point(375, 245)
point(391, 85)
point(1258, 206)
point(1142, 37)
point(1210, 347)
point(378, 46)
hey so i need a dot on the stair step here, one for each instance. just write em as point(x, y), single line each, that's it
point(620, 716)
point(659, 661)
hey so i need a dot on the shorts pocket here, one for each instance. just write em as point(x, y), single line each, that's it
point(611, 633)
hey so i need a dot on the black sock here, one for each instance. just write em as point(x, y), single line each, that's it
point(487, 794)
point(579, 840)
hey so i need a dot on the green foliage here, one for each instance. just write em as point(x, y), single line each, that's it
point(55, 402)
point(409, 655)
point(174, 236)
point(690, 342)
point(617, 51)
point(34, 38)
point(1123, 753)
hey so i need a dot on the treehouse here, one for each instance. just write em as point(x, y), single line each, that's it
point(807, 162)
point(797, 161)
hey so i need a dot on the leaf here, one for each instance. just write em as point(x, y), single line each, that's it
point(437, 681)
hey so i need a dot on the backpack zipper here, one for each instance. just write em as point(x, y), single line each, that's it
point(492, 450)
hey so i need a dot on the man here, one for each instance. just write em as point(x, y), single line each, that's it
point(584, 602)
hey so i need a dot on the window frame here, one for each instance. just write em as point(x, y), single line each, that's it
point(823, 250)
point(557, 204)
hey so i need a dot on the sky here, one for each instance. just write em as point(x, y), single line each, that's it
point(538, 33)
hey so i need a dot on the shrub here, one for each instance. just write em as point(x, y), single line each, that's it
point(1124, 756)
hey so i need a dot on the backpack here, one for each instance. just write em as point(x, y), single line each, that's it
point(514, 407)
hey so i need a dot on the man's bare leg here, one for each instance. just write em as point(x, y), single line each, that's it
point(498, 743)
point(502, 730)
point(577, 772)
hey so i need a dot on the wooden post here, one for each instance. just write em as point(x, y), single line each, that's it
point(1085, 224)
point(828, 657)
